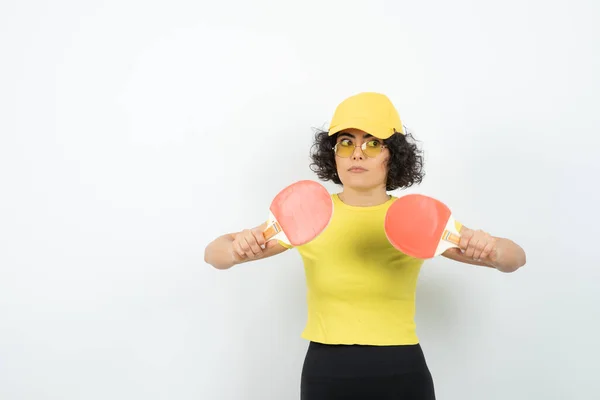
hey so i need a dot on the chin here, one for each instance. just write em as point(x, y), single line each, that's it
point(359, 182)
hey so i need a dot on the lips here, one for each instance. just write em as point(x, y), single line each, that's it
point(356, 169)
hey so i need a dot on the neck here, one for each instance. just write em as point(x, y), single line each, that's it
point(364, 198)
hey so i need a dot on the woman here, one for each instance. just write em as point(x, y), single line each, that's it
point(361, 290)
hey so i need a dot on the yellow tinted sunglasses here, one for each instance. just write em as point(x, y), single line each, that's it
point(370, 148)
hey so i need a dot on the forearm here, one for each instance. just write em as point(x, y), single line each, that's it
point(510, 256)
point(219, 252)
point(480, 248)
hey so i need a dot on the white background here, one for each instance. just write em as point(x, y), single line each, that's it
point(134, 132)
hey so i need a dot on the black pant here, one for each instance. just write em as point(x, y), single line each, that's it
point(333, 372)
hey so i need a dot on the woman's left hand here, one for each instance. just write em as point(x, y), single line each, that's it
point(478, 245)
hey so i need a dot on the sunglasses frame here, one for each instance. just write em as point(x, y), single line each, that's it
point(363, 147)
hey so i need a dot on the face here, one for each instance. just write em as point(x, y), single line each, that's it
point(356, 169)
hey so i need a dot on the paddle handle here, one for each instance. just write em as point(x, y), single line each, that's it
point(272, 230)
point(451, 237)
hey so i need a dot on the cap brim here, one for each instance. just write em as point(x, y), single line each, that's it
point(376, 130)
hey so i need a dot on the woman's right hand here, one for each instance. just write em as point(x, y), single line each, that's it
point(250, 244)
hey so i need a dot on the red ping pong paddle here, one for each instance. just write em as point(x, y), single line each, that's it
point(421, 226)
point(299, 213)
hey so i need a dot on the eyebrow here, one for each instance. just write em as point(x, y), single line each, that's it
point(367, 135)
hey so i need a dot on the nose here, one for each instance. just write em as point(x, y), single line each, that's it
point(357, 154)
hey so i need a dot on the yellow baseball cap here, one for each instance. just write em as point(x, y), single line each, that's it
point(371, 112)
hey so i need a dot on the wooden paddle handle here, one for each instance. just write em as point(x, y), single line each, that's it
point(451, 237)
point(272, 230)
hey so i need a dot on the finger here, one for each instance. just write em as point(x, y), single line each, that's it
point(465, 238)
point(258, 236)
point(254, 248)
point(238, 250)
point(243, 243)
point(487, 250)
point(471, 248)
point(250, 246)
point(270, 243)
point(479, 249)
point(259, 233)
point(249, 254)
point(245, 246)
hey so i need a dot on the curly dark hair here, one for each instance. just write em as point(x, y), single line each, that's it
point(405, 164)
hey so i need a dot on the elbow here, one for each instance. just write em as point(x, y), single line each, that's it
point(508, 270)
point(514, 257)
point(521, 260)
point(221, 266)
point(519, 263)
point(208, 259)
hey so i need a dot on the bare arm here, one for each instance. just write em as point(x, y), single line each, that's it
point(239, 247)
point(480, 248)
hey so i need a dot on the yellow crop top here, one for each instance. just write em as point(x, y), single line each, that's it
point(360, 289)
